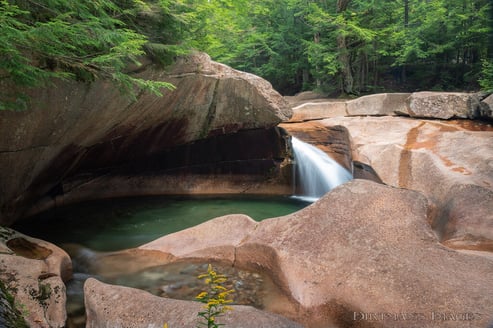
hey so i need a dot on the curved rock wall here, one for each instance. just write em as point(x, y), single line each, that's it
point(79, 131)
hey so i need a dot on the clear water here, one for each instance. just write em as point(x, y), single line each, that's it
point(116, 224)
point(179, 280)
point(315, 172)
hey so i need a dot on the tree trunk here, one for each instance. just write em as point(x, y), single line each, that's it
point(342, 5)
point(316, 39)
point(345, 60)
point(489, 54)
point(406, 13)
point(406, 25)
point(344, 57)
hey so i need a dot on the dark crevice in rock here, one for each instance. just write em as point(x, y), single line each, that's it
point(23, 149)
point(365, 171)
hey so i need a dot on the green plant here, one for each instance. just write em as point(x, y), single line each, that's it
point(215, 299)
point(80, 40)
point(12, 312)
point(486, 81)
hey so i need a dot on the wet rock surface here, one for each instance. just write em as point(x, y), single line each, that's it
point(333, 140)
point(177, 281)
point(449, 161)
point(114, 306)
point(362, 250)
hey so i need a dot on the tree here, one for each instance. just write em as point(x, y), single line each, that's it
point(82, 40)
point(340, 47)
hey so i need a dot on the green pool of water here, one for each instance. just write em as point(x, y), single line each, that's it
point(116, 224)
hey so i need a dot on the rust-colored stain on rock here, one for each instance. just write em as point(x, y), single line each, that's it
point(429, 142)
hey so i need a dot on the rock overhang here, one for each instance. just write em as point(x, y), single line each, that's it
point(75, 130)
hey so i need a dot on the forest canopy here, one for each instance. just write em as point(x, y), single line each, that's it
point(338, 47)
point(354, 46)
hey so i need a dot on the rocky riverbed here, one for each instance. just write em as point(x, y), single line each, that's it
point(412, 242)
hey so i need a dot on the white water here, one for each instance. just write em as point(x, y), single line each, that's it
point(315, 172)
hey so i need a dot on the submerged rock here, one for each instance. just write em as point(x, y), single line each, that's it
point(363, 253)
point(116, 306)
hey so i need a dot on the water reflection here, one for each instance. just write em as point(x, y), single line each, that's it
point(117, 224)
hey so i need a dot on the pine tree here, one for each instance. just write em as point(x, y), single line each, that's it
point(83, 40)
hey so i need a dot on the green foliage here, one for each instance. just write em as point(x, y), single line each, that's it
point(215, 298)
point(348, 46)
point(299, 44)
point(261, 37)
point(10, 315)
point(486, 80)
point(83, 40)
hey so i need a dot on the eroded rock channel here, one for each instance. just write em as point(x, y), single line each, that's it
point(410, 243)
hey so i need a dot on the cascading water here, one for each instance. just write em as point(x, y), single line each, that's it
point(315, 172)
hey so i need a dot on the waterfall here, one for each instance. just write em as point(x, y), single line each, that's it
point(315, 172)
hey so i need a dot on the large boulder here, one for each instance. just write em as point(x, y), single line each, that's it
point(439, 105)
point(378, 104)
point(118, 307)
point(364, 255)
point(77, 132)
point(220, 98)
point(34, 271)
point(443, 105)
point(486, 108)
point(206, 240)
point(372, 105)
point(318, 110)
point(359, 251)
